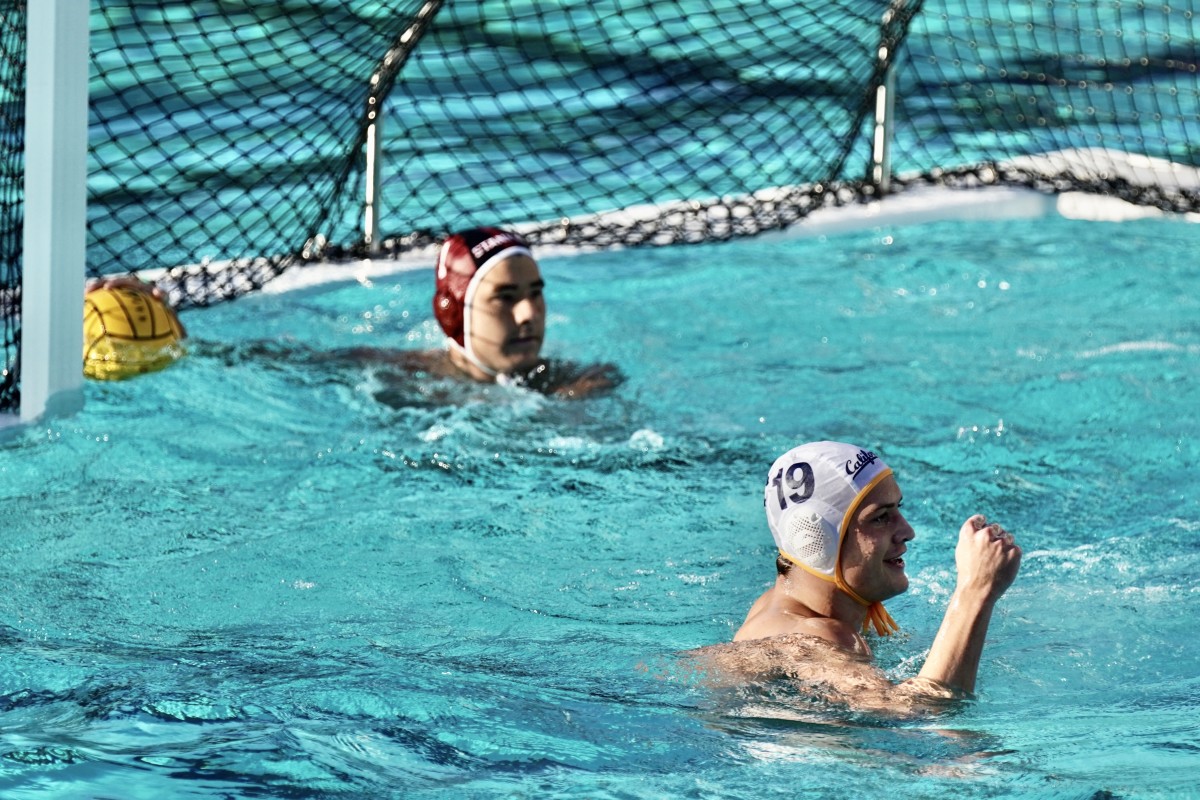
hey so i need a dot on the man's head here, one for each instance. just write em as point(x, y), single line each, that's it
point(833, 510)
point(488, 301)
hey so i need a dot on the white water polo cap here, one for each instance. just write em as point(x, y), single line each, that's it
point(811, 495)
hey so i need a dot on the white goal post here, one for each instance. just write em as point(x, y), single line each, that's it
point(55, 218)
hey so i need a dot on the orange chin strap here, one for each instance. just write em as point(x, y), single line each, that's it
point(877, 615)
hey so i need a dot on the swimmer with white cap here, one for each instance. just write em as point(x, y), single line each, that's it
point(834, 512)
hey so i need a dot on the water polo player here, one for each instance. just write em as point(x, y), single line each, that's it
point(834, 512)
point(488, 302)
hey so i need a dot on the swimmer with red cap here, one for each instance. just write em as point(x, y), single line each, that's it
point(488, 301)
point(834, 513)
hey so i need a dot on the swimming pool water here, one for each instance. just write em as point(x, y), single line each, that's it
point(248, 577)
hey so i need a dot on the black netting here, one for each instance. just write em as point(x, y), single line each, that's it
point(232, 134)
point(223, 133)
point(1055, 96)
point(12, 150)
point(558, 113)
point(229, 138)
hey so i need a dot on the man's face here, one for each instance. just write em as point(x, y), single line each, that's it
point(872, 553)
point(508, 316)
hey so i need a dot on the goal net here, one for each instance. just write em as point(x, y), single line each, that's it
point(230, 140)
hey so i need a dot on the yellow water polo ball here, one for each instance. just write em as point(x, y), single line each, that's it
point(128, 333)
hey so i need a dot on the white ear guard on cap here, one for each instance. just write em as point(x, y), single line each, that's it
point(806, 535)
point(489, 261)
point(811, 492)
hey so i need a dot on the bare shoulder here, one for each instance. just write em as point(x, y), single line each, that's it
point(765, 621)
point(837, 633)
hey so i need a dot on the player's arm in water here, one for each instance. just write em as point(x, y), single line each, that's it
point(557, 378)
point(489, 302)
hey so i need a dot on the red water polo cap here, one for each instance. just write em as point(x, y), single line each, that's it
point(464, 259)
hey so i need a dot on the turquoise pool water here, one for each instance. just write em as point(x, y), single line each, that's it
point(246, 577)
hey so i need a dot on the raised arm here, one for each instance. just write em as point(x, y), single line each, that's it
point(987, 560)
